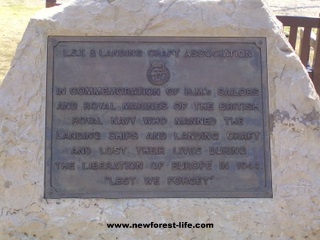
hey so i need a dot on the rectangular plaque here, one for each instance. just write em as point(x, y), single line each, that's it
point(134, 117)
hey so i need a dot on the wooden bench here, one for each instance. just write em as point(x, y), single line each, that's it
point(305, 25)
point(51, 3)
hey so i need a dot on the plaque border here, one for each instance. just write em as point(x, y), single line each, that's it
point(51, 193)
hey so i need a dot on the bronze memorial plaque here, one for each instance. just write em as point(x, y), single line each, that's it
point(154, 117)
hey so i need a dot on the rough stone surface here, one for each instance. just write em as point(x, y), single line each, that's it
point(294, 211)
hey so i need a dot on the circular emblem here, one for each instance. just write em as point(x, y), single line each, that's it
point(158, 73)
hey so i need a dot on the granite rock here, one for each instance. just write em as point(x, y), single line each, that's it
point(293, 212)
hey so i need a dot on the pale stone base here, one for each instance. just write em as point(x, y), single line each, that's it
point(293, 212)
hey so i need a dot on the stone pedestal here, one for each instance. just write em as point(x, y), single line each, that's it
point(292, 213)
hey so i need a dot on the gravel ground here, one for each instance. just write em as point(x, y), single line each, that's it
point(308, 8)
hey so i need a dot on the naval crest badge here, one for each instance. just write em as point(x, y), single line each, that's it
point(158, 74)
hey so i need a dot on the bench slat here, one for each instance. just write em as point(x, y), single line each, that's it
point(299, 21)
point(316, 64)
point(293, 36)
point(305, 46)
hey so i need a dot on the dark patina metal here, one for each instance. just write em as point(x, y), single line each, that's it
point(133, 117)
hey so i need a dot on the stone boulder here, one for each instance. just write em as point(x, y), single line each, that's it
point(292, 213)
